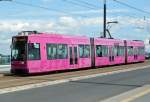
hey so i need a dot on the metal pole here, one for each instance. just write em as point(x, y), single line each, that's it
point(104, 19)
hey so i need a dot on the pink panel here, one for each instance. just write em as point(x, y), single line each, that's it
point(84, 62)
point(59, 64)
point(102, 61)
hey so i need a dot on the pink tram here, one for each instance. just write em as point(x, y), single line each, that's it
point(34, 52)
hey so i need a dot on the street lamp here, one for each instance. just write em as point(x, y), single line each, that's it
point(109, 26)
point(112, 22)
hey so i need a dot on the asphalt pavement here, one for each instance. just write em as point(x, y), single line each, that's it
point(88, 90)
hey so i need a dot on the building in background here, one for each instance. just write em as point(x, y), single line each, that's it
point(147, 48)
point(147, 45)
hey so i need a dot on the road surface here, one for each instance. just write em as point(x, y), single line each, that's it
point(88, 90)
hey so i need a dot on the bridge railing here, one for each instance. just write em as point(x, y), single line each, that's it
point(5, 60)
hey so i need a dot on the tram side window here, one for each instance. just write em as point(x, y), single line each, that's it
point(101, 51)
point(120, 51)
point(51, 51)
point(141, 51)
point(81, 51)
point(104, 51)
point(84, 51)
point(130, 50)
point(62, 52)
point(98, 50)
point(34, 51)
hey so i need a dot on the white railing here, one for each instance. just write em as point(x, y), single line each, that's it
point(4, 66)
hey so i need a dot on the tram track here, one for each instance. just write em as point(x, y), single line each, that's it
point(7, 81)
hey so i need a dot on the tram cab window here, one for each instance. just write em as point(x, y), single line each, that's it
point(18, 49)
point(34, 51)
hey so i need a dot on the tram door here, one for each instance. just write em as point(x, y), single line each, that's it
point(135, 53)
point(111, 54)
point(73, 56)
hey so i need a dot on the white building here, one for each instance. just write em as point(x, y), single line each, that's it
point(147, 45)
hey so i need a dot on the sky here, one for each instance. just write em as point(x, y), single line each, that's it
point(71, 17)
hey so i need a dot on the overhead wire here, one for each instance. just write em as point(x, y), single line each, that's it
point(135, 8)
point(78, 3)
point(87, 3)
point(46, 8)
point(132, 7)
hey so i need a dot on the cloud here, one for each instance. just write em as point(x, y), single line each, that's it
point(138, 25)
point(66, 25)
point(68, 21)
point(92, 21)
point(18, 25)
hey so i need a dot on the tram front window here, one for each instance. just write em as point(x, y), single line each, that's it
point(18, 50)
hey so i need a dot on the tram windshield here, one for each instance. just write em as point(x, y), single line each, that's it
point(18, 52)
